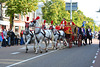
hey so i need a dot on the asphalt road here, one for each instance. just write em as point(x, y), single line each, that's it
point(15, 56)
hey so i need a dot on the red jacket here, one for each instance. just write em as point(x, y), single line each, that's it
point(73, 23)
point(2, 35)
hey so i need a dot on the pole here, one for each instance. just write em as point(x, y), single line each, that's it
point(94, 30)
point(70, 10)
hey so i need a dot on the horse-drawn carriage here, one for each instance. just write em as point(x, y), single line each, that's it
point(39, 35)
point(72, 35)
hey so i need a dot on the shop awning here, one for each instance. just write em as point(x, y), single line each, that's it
point(4, 22)
point(19, 24)
point(8, 23)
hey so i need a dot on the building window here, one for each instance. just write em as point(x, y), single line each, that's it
point(0, 10)
point(16, 16)
point(16, 28)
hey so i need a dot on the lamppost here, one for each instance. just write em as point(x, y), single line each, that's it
point(70, 10)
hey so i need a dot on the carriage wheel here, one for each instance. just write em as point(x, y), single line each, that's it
point(70, 43)
point(80, 40)
point(65, 44)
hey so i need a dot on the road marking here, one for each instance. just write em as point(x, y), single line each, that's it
point(31, 58)
point(95, 57)
point(93, 61)
point(91, 66)
point(96, 53)
point(15, 53)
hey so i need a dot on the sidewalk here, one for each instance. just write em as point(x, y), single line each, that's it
point(95, 41)
point(97, 59)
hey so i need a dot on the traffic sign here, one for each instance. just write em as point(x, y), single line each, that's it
point(74, 6)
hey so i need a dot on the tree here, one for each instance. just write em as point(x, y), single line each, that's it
point(18, 7)
point(54, 10)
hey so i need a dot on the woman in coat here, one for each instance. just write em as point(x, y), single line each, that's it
point(3, 37)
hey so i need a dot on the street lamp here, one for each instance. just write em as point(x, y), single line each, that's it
point(99, 10)
point(70, 9)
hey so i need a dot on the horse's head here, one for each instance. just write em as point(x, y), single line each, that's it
point(33, 23)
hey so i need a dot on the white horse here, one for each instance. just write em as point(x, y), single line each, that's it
point(28, 36)
point(59, 35)
point(41, 35)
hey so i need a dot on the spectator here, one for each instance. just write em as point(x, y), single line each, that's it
point(3, 37)
point(9, 37)
point(12, 38)
point(16, 39)
point(21, 41)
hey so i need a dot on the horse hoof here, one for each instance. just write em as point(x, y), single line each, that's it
point(46, 51)
point(36, 53)
point(56, 48)
point(40, 51)
point(26, 50)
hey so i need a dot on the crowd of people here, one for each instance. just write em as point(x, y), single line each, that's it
point(10, 39)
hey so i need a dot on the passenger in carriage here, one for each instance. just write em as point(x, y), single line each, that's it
point(72, 23)
point(63, 23)
point(43, 25)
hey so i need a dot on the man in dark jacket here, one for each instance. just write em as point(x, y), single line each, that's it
point(89, 35)
point(9, 37)
point(12, 38)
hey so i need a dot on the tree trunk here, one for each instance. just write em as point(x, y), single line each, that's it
point(11, 21)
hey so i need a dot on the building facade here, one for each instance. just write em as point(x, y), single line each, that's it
point(19, 20)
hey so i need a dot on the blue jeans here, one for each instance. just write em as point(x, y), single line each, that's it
point(21, 41)
point(9, 41)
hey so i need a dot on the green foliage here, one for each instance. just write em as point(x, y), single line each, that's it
point(18, 7)
point(54, 10)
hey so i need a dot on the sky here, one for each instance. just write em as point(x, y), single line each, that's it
point(89, 8)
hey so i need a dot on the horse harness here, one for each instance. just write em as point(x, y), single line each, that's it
point(43, 33)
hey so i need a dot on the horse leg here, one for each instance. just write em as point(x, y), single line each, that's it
point(40, 46)
point(46, 46)
point(27, 44)
point(89, 41)
point(36, 47)
point(56, 44)
point(26, 48)
point(59, 43)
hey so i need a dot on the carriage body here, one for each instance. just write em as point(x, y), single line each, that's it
point(72, 35)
